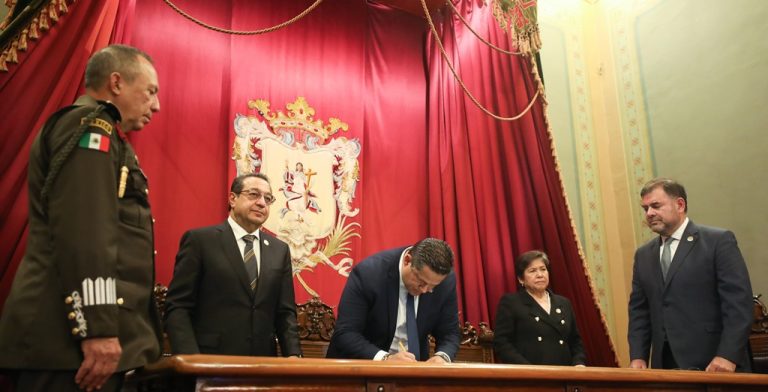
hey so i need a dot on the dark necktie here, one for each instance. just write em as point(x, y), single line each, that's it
point(410, 324)
point(249, 258)
point(666, 257)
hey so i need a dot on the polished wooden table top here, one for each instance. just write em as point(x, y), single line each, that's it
point(265, 367)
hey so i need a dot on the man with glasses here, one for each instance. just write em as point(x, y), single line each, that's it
point(232, 286)
point(393, 300)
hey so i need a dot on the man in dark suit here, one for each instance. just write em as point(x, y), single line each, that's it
point(691, 300)
point(232, 287)
point(393, 300)
point(81, 312)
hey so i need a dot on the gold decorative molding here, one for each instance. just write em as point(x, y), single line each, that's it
point(300, 115)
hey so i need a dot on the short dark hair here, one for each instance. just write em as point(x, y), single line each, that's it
point(670, 186)
point(524, 261)
point(237, 183)
point(434, 253)
point(114, 58)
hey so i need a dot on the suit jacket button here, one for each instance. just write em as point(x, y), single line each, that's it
point(561, 342)
point(120, 301)
point(539, 338)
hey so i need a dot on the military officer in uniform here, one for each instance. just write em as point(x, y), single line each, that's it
point(81, 311)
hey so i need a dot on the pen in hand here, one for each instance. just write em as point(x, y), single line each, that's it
point(402, 347)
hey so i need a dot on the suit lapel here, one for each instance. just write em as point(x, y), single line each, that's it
point(232, 254)
point(687, 242)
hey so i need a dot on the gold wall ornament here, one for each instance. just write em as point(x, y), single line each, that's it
point(299, 115)
point(315, 177)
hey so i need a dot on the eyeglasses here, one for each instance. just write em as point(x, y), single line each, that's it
point(253, 195)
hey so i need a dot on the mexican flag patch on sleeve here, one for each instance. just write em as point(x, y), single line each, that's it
point(94, 141)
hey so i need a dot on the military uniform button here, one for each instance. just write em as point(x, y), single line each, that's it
point(561, 342)
point(120, 301)
point(71, 315)
point(68, 300)
point(539, 338)
point(75, 331)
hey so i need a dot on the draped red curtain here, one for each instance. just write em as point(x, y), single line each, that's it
point(495, 190)
point(431, 164)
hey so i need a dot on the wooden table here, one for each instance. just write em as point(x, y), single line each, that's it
point(232, 373)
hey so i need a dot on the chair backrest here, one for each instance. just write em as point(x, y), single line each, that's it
point(758, 340)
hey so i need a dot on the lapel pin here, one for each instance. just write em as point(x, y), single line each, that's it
point(266, 242)
point(690, 238)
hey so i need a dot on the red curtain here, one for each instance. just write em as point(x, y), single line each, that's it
point(431, 164)
point(495, 191)
point(361, 63)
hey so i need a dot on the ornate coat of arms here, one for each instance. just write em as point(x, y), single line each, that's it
point(314, 177)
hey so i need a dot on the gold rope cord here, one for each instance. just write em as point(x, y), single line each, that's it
point(461, 82)
point(236, 32)
point(483, 40)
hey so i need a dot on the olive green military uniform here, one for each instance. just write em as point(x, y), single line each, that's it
point(88, 270)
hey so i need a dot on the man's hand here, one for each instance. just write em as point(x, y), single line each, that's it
point(402, 356)
point(100, 359)
point(436, 359)
point(720, 364)
point(638, 364)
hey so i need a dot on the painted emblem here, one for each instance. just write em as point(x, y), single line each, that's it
point(314, 176)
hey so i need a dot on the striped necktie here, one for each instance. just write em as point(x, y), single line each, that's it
point(249, 258)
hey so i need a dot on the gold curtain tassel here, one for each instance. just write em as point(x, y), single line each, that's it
point(52, 12)
point(123, 181)
point(34, 33)
point(44, 21)
point(23, 40)
point(13, 56)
